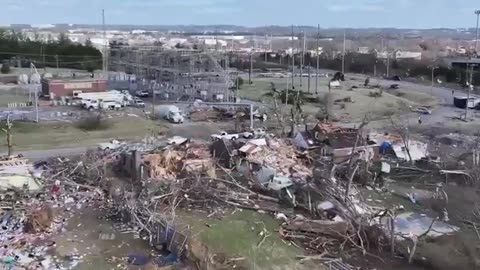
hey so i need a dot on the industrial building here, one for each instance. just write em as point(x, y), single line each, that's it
point(55, 88)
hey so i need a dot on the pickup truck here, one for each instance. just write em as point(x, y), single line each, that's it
point(232, 137)
point(112, 145)
point(224, 135)
point(142, 93)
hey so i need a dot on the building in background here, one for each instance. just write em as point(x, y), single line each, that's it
point(363, 50)
point(400, 55)
point(56, 88)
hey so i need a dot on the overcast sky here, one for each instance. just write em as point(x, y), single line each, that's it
point(327, 13)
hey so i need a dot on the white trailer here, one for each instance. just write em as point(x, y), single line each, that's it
point(87, 98)
point(94, 104)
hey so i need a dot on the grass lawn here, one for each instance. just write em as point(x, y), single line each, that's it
point(391, 102)
point(237, 235)
point(33, 136)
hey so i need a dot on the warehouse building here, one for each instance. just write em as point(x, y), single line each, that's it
point(56, 88)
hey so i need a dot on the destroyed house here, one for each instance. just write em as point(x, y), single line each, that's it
point(392, 145)
point(338, 142)
point(321, 131)
point(18, 173)
point(305, 141)
point(223, 150)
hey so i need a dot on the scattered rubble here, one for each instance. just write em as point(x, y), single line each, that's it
point(314, 196)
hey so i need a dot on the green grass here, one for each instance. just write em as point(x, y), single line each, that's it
point(33, 136)
point(391, 102)
point(237, 235)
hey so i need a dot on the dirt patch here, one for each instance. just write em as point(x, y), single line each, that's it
point(84, 236)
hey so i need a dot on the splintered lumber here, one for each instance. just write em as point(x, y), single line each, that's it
point(327, 227)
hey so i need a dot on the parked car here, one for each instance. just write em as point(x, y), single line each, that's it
point(112, 145)
point(142, 93)
point(177, 140)
point(137, 102)
point(422, 110)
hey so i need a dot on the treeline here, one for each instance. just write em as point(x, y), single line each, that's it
point(367, 64)
point(19, 51)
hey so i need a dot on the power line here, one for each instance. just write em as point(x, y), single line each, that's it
point(51, 55)
point(73, 62)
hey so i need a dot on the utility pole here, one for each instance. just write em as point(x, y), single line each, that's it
point(388, 65)
point(266, 40)
point(33, 70)
point(309, 75)
point(343, 54)
point(288, 82)
point(250, 70)
point(477, 12)
point(433, 78)
point(36, 102)
point(468, 98)
point(154, 97)
point(42, 50)
point(302, 60)
point(318, 59)
point(104, 69)
point(56, 58)
point(388, 61)
point(293, 62)
point(271, 42)
point(216, 39)
point(236, 92)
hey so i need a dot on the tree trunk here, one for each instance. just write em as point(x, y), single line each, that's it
point(350, 179)
point(412, 252)
point(9, 143)
point(392, 235)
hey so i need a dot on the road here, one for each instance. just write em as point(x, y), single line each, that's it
point(200, 131)
point(440, 114)
point(445, 111)
point(36, 155)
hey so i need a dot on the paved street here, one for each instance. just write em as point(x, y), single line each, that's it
point(36, 155)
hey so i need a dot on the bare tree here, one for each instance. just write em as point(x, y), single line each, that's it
point(401, 127)
point(276, 95)
point(296, 113)
point(325, 103)
point(351, 172)
point(8, 133)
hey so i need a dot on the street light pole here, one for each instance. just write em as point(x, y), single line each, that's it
point(477, 12)
point(318, 60)
point(343, 53)
point(433, 78)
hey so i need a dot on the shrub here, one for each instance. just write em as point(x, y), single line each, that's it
point(93, 123)
point(5, 68)
point(375, 94)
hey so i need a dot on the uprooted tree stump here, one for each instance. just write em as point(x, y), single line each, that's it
point(39, 220)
